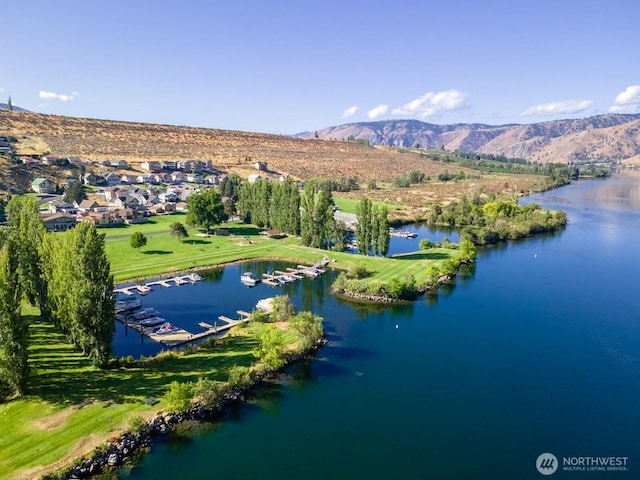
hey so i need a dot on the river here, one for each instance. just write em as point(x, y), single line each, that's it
point(536, 349)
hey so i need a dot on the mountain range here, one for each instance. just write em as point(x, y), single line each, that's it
point(3, 106)
point(602, 138)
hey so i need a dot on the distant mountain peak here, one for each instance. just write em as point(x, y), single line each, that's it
point(609, 137)
point(3, 106)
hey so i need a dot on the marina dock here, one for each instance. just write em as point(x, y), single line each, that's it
point(163, 282)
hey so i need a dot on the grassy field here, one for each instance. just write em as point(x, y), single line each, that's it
point(348, 205)
point(73, 406)
point(164, 254)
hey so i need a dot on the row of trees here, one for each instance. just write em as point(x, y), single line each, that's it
point(318, 227)
point(271, 205)
point(66, 276)
point(372, 228)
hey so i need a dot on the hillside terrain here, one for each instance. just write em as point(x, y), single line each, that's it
point(603, 138)
point(231, 151)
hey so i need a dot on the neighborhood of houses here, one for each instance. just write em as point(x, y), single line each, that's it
point(117, 199)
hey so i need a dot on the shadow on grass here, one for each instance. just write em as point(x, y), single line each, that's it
point(157, 252)
point(197, 241)
point(62, 375)
point(422, 256)
point(244, 231)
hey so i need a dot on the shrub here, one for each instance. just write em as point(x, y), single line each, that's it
point(179, 396)
point(137, 424)
point(239, 377)
point(208, 392)
point(426, 244)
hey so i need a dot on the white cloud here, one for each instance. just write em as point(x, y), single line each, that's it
point(55, 96)
point(349, 112)
point(627, 101)
point(432, 103)
point(561, 107)
point(377, 111)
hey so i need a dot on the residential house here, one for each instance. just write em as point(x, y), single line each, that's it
point(60, 206)
point(161, 178)
point(181, 207)
point(253, 177)
point(193, 177)
point(212, 179)
point(151, 166)
point(167, 196)
point(194, 166)
point(5, 146)
point(42, 185)
point(58, 222)
point(49, 159)
point(262, 166)
point(74, 160)
point(89, 179)
point(169, 165)
point(111, 179)
point(101, 219)
point(121, 164)
point(87, 206)
point(178, 177)
point(28, 160)
point(128, 178)
point(147, 178)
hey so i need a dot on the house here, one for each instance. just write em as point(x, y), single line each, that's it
point(212, 179)
point(49, 159)
point(74, 160)
point(151, 166)
point(87, 206)
point(60, 206)
point(193, 177)
point(253, 177)
point(89, 179)
point(121, 164)
point(58, 222)
point(28, 160)
point(194, 166)
point(262, 166)
point(169, 165)
point(111, 179)
point(42, 185)
point(181, 207)
point(178, 177)
point(128, 178)
point(101, 219)
point(167, 196)
point(5, 147)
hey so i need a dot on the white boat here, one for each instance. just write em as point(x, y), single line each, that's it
point(194, 277)
point(166, 328)
point(143, 289)
point(152, 322)
point(180, 281)
point(145, 313)
point(249, 279)
point(127, 304)
point(266, 305)
point(311, 272)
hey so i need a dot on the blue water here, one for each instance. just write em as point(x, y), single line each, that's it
point(535, 349)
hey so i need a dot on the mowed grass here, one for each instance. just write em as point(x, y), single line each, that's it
point(348, 205)
point(72, 405)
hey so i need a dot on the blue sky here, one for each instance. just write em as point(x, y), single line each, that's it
point(285, 66)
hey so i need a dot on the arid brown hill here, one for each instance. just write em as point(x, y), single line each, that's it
point(602, 138)
point(228, 150)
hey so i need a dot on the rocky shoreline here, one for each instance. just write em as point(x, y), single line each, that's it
point(123, 448)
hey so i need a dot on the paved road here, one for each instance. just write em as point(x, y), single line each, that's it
point(344, 217)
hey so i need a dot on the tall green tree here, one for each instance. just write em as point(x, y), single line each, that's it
point(270, 348)
point(9, 105)
point(14, 328)
point(308, 326)
point(363, 226)
point(205, 209)
point(27, 228)
point(75, 193)
point(384, 235)
point(82, 290)
point(138, 240)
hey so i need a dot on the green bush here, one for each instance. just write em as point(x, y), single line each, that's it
point(179, 396)
point(137, 424)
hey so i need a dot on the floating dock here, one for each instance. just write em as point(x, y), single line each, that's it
point(163, 282)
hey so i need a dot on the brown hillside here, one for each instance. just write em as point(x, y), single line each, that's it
point(229, 150)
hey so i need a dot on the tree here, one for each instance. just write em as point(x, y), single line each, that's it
point(9, 105)
point(138, 240)
point(283, 309)
point(178, 231)
point(27, 228)
point(74, 193)
point(468, 251)
point(308, 326)
point(384, 236)
point(271, 347)
point(205, 209)
point(179, 396)
point(82, 290)
point(363, 226)
point(14, 328)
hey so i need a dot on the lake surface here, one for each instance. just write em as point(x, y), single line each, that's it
point(536, 349)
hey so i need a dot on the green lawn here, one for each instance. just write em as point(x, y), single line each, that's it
point(71, 403)
point(348, 205)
